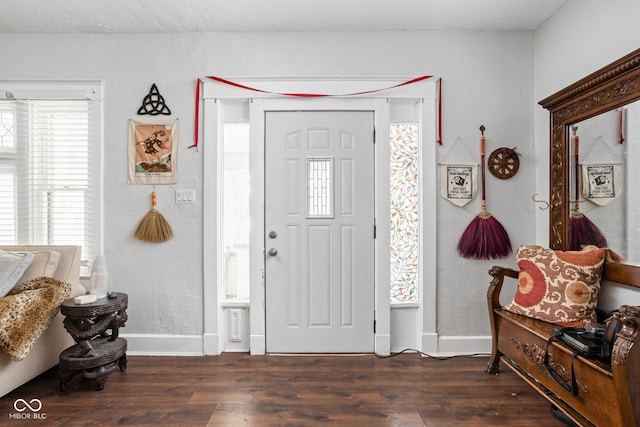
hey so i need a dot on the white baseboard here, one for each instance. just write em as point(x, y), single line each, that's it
point(257, 344)
point(197, 345)
point(463, 345)
point(211, 344)
point(163, 345)
point(382, 344)
point(430, 343)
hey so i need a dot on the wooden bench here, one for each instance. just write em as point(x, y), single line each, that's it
point(609, 393)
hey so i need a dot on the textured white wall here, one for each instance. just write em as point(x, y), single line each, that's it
point(487, 79)
point(579, 39)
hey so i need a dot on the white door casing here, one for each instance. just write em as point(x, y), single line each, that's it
point(215, 96)
point(319, 224)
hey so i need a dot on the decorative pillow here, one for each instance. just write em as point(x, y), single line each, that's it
point(556, 286)
point(12, 266)
point(44, 264)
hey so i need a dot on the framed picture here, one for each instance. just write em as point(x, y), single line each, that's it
point(153, 151)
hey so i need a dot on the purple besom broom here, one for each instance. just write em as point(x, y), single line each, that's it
point(583, 231)
point(484, 237)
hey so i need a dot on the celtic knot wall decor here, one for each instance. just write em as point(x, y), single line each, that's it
point(153, 103)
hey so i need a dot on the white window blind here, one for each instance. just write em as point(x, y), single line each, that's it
point(50, 173)
point(7, 172)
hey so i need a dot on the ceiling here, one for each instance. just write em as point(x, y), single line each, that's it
point(176, 16)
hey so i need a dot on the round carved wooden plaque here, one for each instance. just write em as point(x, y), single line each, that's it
point(503, 163)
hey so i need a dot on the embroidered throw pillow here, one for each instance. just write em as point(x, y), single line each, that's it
point(558, 286)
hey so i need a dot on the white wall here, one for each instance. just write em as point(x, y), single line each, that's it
point(582, 37)
point(487, 79)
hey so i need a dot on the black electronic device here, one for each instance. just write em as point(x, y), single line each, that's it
point(585, 343)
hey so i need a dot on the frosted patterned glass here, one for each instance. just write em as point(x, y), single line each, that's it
point(320, 187)
point(235, 205)
point(404, 212)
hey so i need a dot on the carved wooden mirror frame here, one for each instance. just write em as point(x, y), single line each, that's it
point(611, 87)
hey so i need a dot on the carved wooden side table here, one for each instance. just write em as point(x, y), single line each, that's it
point(97, 351)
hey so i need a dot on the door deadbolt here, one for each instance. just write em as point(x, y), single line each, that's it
point(273, 252)
point(273, 234)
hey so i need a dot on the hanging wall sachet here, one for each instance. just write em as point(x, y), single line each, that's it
point(602, 181)
point(459, 180)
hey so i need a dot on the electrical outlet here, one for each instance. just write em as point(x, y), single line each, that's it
point(185, 196)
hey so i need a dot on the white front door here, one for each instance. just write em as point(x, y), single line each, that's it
point(319, 226)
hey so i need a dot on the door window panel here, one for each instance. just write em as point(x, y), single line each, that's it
point(320, 187)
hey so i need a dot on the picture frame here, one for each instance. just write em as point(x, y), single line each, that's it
point(153, 151)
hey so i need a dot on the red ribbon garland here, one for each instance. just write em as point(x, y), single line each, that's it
point(439, 130)
point(313, 95)
point(621, 117)
point(197, 119)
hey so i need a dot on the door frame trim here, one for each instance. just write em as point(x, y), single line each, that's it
point(425, 90)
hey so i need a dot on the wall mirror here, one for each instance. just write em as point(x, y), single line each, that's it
point(603, 111)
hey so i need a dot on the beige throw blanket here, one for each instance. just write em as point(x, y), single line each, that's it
point(26, 311)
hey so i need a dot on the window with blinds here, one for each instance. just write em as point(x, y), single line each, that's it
point(50, 173)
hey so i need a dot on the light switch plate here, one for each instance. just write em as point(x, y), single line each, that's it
point(185, 196)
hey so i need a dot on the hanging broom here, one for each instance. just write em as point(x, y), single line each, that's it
point(583, 230)
point(484, 237)
point(153, 227)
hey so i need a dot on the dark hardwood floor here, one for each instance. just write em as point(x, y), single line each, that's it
point(235, 389)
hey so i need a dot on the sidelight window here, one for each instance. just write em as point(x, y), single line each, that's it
point(235, 233)
point(404, 212)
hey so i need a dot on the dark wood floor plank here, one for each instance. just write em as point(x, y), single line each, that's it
point(235, 389)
